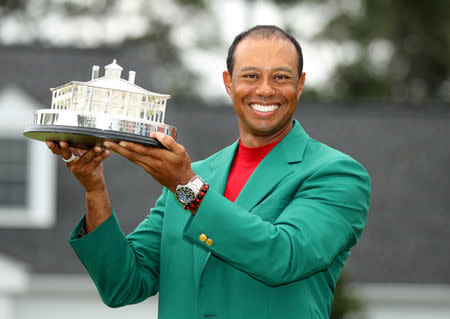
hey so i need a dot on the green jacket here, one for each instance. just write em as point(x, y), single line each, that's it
point(277, 252)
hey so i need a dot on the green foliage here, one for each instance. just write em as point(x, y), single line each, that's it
point(197, 4)
point(168, 71)
point(8, 6)
point(402, 47)
point(417, 68)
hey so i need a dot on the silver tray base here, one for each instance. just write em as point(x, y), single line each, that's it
point(85, 138)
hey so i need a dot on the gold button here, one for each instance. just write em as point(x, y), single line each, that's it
point(202, 237)
point(209, 242)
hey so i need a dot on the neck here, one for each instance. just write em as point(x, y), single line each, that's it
point(250, 139)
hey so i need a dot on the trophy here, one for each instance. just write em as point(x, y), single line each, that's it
point(85, 114)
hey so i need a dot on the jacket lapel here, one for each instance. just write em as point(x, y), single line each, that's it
point(274, 167)
point(266, 176)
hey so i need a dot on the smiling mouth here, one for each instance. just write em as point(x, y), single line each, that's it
point(264, 108)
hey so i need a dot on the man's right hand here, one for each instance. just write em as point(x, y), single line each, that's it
point(88, 169)
point(87, 166)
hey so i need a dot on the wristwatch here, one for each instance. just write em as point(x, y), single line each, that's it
point(186, 194)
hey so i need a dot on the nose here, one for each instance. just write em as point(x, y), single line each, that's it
point(264, 88)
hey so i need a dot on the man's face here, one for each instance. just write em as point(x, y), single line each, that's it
point(265, 87)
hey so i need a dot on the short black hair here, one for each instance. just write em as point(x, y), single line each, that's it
point(264, 32)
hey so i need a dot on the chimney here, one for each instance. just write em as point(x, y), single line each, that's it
point(131, 76)
point(95, 72)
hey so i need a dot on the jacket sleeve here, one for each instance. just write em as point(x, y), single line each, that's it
point(325, 216)
point(124, 269)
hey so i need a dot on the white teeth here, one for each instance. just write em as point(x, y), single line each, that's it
point(264, 108)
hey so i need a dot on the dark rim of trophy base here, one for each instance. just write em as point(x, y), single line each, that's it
point(84, 137)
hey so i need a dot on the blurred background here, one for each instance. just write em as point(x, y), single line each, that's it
point(377, 88)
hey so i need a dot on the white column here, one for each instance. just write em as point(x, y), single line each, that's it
point(108, 103)
point(71, 96)
point(145, 117)
point(64, 98)
point(163, 110)
point(59, 99)
point(158, 118)
point(90, 89)
point(152, 108)
point(127, 103)
point(159, 111)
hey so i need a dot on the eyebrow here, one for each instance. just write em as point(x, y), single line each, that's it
point(248, 68)
point(252, 68)
point(285, 70)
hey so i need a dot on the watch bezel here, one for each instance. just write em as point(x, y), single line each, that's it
point(190, 190)
point(187, 192)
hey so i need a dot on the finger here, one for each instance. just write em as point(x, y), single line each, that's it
point(165, 140)
point(78, 151)
point(89, 155)
point(92, 164)
point(137, 148)
point(128, 154)
point(53, 147)
point(65, 151)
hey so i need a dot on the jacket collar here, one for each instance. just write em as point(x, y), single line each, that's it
point(273, 168)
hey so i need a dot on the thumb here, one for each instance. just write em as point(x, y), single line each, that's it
point(165, 140)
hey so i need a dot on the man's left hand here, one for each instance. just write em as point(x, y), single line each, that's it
point(170, 166)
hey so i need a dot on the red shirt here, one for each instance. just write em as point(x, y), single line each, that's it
point(245, 161)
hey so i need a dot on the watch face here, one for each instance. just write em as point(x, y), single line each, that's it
point(185, 195)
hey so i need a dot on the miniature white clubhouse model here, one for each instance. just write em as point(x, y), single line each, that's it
point(109, 104)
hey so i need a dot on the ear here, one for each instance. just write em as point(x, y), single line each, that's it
point(227, 82)
point(301, 83)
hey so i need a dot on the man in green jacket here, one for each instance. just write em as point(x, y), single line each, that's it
point(260, 229)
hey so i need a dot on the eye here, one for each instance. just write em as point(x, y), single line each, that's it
point(250, 76)
point(281, 77)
